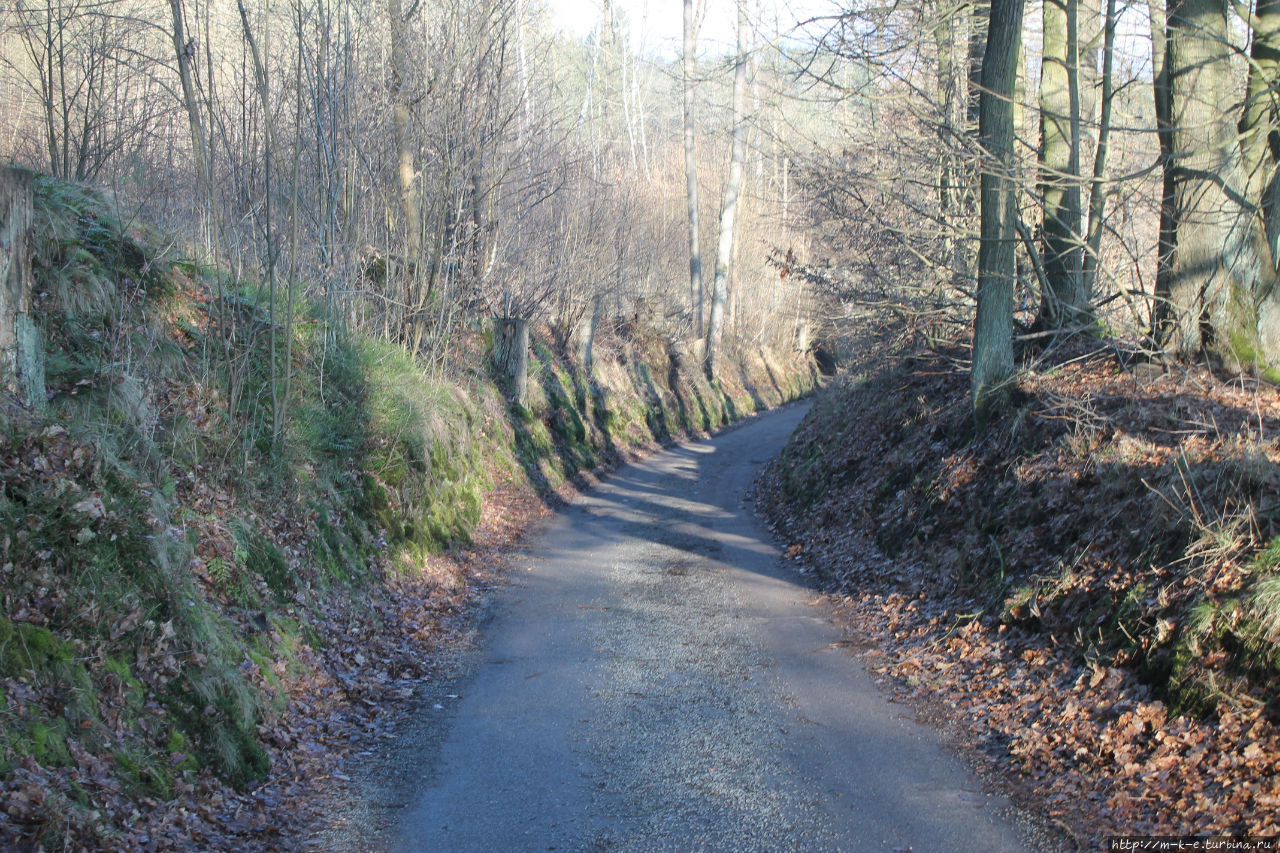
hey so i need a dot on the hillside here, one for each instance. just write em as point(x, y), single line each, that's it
point(1086, 593)
point(215, 578)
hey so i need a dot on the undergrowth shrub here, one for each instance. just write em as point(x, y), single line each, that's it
point(425, 473)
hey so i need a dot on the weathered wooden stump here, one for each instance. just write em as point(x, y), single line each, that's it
point(511, 352)
point(21, 350)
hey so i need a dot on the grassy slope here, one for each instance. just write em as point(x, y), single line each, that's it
point(171, 572)
point(1092, 581)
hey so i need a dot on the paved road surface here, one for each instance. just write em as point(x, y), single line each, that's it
point(654, 679)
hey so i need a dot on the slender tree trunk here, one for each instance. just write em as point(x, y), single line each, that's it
point(184, 50)
point(951, 128)
point(278, 392)
point(1062, 302)
point(1161, 312)
point(401, 120)
point(691, 169)
point(729, 207)
point(1097, 191)
point(993, 323)
point(1090, 35)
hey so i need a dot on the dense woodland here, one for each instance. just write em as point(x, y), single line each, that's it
point(417, 166)
point(282, 274)
point(1032, 171)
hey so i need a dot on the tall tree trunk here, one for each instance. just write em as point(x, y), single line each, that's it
point(1160, 311)
point(1260, 137)
point(184, 50)
point(262, 85)
point(1062, 302)
point(1090, 34)
point(729, 207)
point(993, 323)
point(1097, 192)
point(691, 168)
point(1214, 267)
point(1259, 133)
point(951, 128)
point(401, 120)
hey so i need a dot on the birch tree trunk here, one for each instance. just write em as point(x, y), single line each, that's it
point(691, 169)
point(729, 207)
point(993, 323)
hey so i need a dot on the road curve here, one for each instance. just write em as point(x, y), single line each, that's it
point(654, 678)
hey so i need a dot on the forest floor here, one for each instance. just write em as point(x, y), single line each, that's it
point(1084, 594)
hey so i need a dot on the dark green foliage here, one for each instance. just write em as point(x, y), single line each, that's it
point(262, 558)
point(424, 475)
point(222, 729)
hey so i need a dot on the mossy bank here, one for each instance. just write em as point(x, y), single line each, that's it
point(204, 479)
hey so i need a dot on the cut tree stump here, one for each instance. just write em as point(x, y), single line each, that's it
point(512, 354)
point(21, 350)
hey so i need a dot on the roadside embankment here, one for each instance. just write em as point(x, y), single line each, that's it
point(1087, 590)
point(234, 527)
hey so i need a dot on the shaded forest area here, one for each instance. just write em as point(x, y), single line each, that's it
point(1084, 596)
point(301, 297)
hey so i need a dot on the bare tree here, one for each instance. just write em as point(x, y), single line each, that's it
point(1064, 301)
point(993, 330)
point(729, 206)
point(1097, 186)
point(691, 167)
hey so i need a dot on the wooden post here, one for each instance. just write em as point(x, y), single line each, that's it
point(802, 338)
point(589, 334)
point(21, 350)
point(512, 354)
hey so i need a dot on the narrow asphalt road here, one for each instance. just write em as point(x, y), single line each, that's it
point(655, 679)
